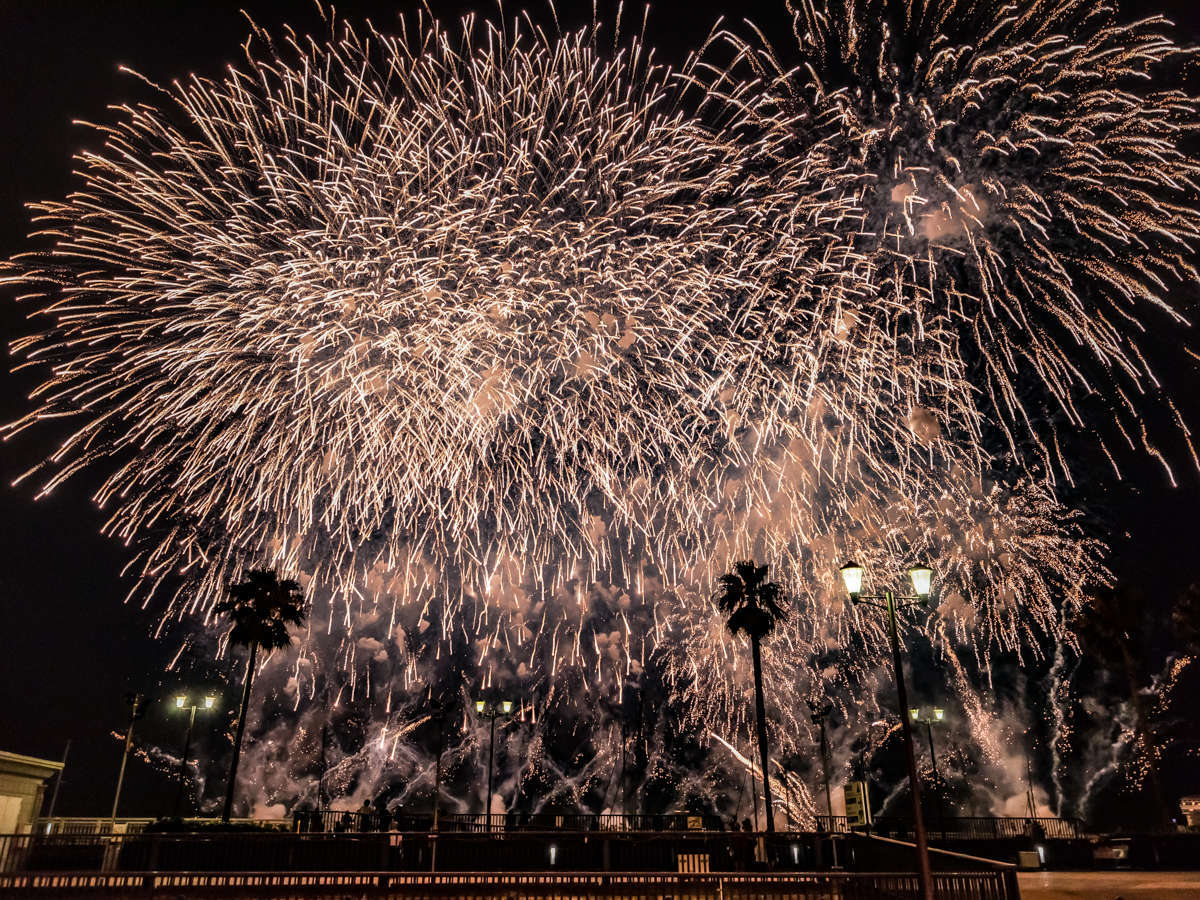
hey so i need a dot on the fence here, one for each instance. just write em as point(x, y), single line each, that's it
point(125, 825)
point(399, 851)
point(542, 886)
point(969, 828)
point(522, 851)
point(338, 821)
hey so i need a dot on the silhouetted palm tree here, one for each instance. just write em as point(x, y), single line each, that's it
point(260, 607)
point(753, 606)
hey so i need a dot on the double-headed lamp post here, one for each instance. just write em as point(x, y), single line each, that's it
point(922, 576)
point(492, 709)
point(182, 701)
point(936, 717)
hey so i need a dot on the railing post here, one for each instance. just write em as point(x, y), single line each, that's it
point(1012, 889)
point(112, 848)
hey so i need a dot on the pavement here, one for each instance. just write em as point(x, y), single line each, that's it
point(1109, 885)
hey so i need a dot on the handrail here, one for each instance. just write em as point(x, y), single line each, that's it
point(991, 863)
point(968, 827)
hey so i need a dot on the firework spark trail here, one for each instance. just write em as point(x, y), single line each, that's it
point(1022, 198)
point(506, 350)
point(1020, 202)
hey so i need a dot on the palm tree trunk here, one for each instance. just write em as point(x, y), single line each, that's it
point(760, 710)
point(237, 741)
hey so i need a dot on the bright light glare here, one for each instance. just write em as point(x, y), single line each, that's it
point(921, 577)
point(852, 577)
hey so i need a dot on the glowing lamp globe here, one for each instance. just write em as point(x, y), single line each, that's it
point(922, 577)
point(852, 576)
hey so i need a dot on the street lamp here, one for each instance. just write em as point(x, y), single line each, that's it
point(137, 709)
point(819, 712)
point(936, 718)
point(922, 577)
point(492, 709)
point(182, 702)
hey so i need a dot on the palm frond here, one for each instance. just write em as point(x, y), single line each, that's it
point(261, 607)
point(754, 606)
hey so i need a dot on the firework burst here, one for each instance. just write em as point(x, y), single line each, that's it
point(1022, 198)
point(507, 342)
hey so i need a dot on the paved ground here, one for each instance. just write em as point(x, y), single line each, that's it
point(1110, 885)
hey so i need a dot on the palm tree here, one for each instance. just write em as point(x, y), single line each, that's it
point(753, 606)
point(261, 607)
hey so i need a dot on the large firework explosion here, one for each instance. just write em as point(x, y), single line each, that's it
point(1022, 198)
point(505, 342)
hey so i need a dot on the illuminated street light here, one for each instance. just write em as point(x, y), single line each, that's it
point(936, 718)
point(922, 579)
point(182, 701)
point(852, 576)
point(492, 709)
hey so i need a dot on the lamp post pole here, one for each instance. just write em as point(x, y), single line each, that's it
point(491, 762)
point(438, 716)
point(58, 781)
point(492, 710)
point(819, 714)
point(910, 758)
point(937, 779)
point(136, 703)
point(187, 746)
point(754, 796)
point(181, 702)
point(928, 722)
point(921, 576)
point(624, 741)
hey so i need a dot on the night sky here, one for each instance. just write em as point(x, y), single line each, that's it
point(69, 649)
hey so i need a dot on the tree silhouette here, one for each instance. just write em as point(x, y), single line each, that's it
point(260, 607)
point(1110, 628)
point(753, 606)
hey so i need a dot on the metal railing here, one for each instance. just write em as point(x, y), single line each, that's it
point(346, 821)
point(971, 828)
point(541, 885)
point(388, 851)
point(518, 851)
point(127, 825)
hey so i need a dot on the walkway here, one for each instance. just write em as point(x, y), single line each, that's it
point(1109, 885)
